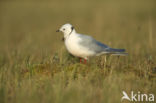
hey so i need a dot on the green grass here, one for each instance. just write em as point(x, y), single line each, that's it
point(36, 68)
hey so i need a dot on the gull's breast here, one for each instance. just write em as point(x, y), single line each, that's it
point(74, 47)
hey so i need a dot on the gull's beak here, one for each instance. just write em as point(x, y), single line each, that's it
point(57, 30)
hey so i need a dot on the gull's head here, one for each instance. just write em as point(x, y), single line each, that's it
point(67, 29)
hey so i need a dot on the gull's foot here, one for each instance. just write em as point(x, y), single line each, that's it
point(83, 61)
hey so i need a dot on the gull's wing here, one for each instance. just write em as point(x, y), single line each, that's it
point(92, 44)
point(96, 46)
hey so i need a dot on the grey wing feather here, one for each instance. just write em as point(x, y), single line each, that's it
point(115, 50)
point(92, 44)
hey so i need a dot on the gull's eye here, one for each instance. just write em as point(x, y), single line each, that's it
point(64, 29)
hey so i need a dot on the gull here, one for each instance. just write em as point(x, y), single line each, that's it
point(84, 46)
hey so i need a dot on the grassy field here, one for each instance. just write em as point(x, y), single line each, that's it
point(36, 68)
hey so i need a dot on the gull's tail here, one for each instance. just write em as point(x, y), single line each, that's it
point(113, 51)
point(119, 54)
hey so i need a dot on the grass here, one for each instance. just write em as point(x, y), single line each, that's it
point(36, 68)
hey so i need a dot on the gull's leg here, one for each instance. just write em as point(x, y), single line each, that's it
point(85, 61)
point(80, 60)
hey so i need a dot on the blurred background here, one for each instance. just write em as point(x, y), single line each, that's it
point(29, 25)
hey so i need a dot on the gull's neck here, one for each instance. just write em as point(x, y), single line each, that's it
point(73, 32)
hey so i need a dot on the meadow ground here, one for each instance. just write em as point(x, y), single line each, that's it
point(36, 68)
